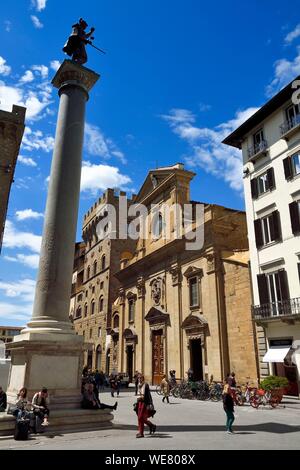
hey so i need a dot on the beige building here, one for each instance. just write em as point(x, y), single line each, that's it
point(11, 133)
point(179, 308)
point(7, 334)
point(94, 288)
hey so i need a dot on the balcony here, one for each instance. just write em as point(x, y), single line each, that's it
point(258, 150)
point(290, 127)
point(285, 310)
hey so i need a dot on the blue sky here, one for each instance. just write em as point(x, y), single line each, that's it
point(178, 76)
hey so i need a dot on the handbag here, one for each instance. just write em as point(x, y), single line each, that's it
point(136, 407)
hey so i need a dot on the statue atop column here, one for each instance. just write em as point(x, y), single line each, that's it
point(75, 45)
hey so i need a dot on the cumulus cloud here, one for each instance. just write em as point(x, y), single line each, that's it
point(31, 261)
point(23, 289)
point(27, 161)
point(27, 77)
point(4, 69)
point(36, 22)
point(54, 65)
point(100, 177)
point(36, 140)
point(41, 69)
point(14, 312)
point(292, 35)
point(284, 72)
point(7, 25)
point(205, 149)
point(35, 102)
point(28, 214)
point(14, 238)
point(98, 145)
point(39, 5)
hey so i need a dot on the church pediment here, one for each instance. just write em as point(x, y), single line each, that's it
point(193, 271)
point(130, 334)
point(156, 315)
point(194, 321)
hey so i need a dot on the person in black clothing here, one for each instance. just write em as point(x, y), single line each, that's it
point(136, 381)
point(91, 402)
point(3, 400)
point(228, 406)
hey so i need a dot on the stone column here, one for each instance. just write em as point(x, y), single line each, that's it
point(53, 289)
point(48, 352)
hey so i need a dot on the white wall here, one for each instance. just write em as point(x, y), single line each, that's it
point(279, 198)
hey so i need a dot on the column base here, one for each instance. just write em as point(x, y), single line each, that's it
point(39, 360)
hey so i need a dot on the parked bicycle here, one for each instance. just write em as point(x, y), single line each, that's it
point(264, 397)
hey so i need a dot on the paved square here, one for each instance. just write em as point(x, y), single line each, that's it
point(183, 424)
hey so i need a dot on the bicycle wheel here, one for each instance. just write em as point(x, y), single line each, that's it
point(175, 392)
point(158, 390)
point(274, 402)
point(255, 402)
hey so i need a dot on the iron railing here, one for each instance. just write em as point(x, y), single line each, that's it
point(276, 309)
point(290, 124)
point(257, 148)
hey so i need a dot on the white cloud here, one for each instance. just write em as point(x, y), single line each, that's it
point(36, 140)
point(205, 148)
point(28, 214)
point(4, 69)
point(7, 26)
point(100, 177)
point(26, 161)
point(36, 22)
point(292, 35)
point(42, 69)
point(11, 312)
point(15, 95)
point(54, 65)
point(97, 144)
point(39, 5)
point(32, 261)
point(14, 238)
point(9, 96)
point(23, 289)
point(285, 71)
point(27, 77)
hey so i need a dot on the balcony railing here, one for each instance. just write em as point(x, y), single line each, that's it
point(257, 149)
point(290, 125)
point(274, 310)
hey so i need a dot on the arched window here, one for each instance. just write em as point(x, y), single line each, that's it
point(95, 267)
point(103, 262)
point(78, 312)
point(101, 303)
point(157, 225)
point(88, 272)
point(92, 307)
point(85, 310)
point(116, 321)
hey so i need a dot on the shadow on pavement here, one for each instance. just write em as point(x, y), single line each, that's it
point(274, 428)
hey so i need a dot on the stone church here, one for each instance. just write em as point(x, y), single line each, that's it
point(180, 308)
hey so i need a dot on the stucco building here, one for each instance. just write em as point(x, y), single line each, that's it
point(11, 133)
point(182, 308)
point(270, 143)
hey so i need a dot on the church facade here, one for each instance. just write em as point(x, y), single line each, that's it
point(181, 308)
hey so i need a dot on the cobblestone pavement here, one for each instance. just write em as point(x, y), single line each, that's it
point(183, 424)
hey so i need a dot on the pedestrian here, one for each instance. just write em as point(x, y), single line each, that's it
point(136, 381)
point(165, 388)
point(230, 379)
point(113, 384)
point(228, 406)
point(145, 408)
point(21, 404)
point(40, 404)
point(3, 400)
point(90, 401)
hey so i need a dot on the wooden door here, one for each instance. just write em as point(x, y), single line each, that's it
point(157, 357)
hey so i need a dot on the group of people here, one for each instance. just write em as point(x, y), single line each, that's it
point(22, 407)
point(92, 383)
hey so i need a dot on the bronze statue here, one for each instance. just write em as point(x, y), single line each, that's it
point(75, 45)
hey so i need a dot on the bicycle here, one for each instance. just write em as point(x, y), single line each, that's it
point(264, 397)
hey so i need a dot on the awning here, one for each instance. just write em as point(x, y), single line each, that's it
point(276, 354)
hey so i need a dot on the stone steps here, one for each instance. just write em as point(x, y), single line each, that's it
point(61, 420)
